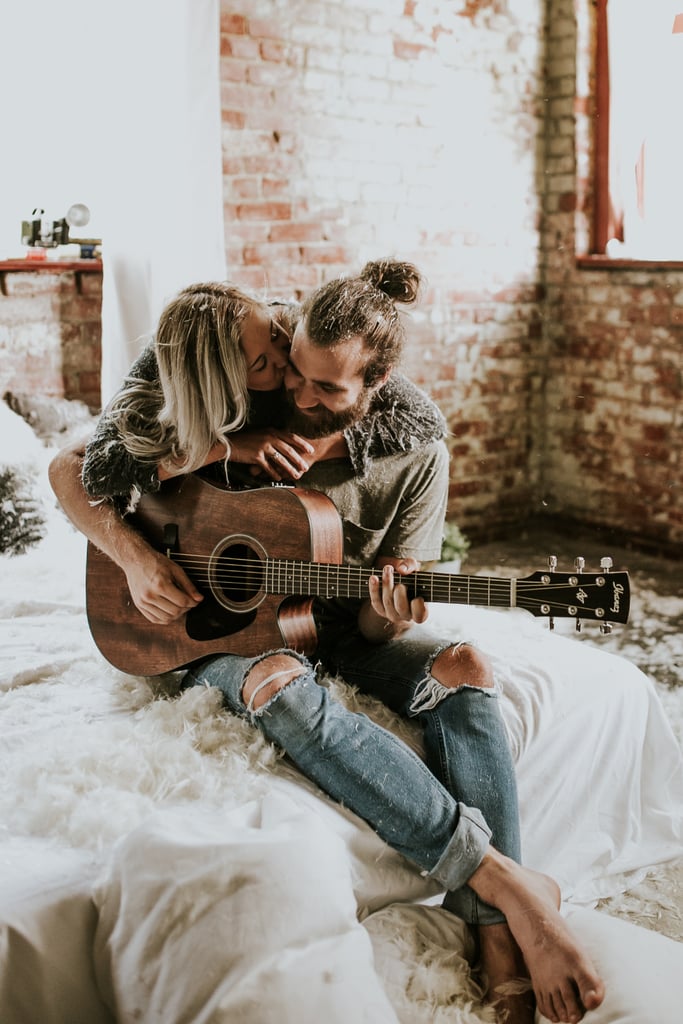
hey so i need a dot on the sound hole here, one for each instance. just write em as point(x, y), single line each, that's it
point(210, 620)
point(237, 573)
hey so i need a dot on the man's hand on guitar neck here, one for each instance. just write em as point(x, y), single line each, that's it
point(389, 611)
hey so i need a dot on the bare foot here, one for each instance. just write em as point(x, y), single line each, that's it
point(508, 987)
point(564, 980)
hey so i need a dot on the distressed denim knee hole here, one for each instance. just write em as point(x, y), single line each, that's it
point(429, 692)
point(284, 677)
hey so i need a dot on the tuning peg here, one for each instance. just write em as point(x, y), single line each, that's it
point(606, 563)
point(578, 623)
point(551, 623)
point(552, 562)
point(605, 628)
point(579, 563)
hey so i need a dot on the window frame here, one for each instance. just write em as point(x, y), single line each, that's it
point(602, 223)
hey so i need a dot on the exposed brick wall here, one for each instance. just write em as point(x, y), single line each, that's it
point(457, 135)
point(364, 129)
point(355, 131)
point(50, 335)
point(614, 425)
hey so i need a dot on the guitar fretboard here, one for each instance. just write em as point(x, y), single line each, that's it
point(283, 576)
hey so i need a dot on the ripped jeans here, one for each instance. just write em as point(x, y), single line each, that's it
point(440, 813)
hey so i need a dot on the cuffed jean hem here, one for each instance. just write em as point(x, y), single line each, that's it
point(458, 862)
point(465, 850)
point(465, 904)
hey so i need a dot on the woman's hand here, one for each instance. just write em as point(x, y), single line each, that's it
point(276, 453)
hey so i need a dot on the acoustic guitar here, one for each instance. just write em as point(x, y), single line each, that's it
point(260, 557)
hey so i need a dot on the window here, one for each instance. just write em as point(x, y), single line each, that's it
point(639, 128)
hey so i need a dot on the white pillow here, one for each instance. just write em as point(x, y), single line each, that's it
point(247, 918)
point(19, 445)
point(641, 969)
point(422, 954)
point(47, 925)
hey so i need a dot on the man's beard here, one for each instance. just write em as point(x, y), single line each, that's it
point(321, 422)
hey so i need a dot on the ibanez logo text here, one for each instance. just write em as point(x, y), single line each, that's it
point(617, 591)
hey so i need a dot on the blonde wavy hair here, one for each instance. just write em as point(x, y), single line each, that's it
point(201, 395)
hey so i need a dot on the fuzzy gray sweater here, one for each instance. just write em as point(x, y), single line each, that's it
point(401, 419)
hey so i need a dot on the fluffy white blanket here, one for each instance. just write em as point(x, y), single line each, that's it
point(227, 888)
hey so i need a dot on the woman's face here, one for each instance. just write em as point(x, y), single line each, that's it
point(266, 347)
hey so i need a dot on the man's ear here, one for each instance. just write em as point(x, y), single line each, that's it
point(376, 385)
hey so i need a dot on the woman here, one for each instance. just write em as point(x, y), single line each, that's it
point(216, 363)
point(217, 353)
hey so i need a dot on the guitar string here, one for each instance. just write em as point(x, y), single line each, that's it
point(437, 584)
point(231, 569)
point(301, 564)
point(339, 566)
point(298, 565)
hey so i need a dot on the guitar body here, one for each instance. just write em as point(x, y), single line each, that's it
point(206, 530)
point(244, 550)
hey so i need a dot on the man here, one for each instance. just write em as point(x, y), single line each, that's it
point(455, 816)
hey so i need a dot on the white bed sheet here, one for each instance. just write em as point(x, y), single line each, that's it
point(90, 758)
point(47, 931)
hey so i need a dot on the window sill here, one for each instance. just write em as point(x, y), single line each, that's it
point(599, 262)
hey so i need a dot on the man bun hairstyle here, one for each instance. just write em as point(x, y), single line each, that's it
point(399, 281)
point(365, 306)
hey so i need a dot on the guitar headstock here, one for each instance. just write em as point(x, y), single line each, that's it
point(602, 597)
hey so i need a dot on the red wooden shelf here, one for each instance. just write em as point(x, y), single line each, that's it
point(24, 266)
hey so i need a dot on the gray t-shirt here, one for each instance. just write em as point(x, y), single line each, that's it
point(395, 510)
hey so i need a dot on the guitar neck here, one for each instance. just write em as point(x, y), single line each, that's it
point(579, 595)
point(284, 576)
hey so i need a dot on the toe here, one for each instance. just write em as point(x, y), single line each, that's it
point(593, 997)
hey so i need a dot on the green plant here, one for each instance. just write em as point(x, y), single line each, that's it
point(455, 544)
point(21, 517)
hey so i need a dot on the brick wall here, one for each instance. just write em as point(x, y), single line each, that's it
point(614, 428)
point(430, 131)
point(50, 335)
point(364, 129)
point(456, 135)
